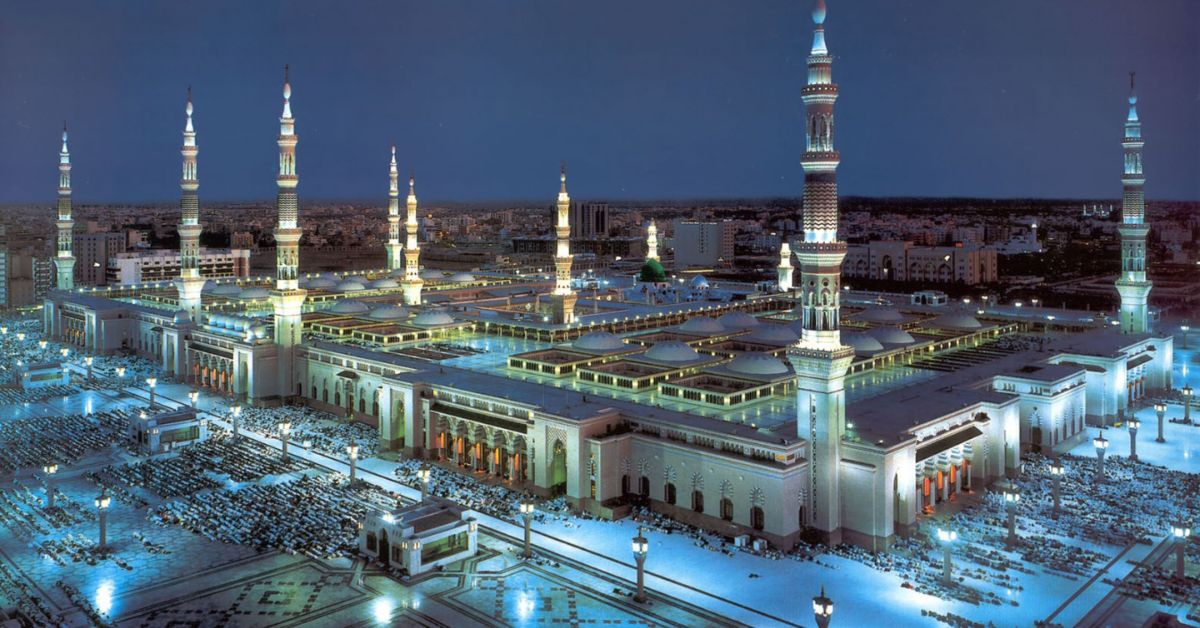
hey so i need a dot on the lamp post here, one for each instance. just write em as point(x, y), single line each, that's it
point(1185, 329)
point(1187, 404)
point(88, 361)
point(1181, 531)
point(527, 515)
point(423, 475)
point(1012, 496)
point(285, 428)
point(236, 411)
point(49, 470)
point(194, 396)
point(947, 537)
point(1160, 409)
point(41, 344)
point(822, 609)
point(121, 376)
point(1101, 444)
point(102, 508)
point(640, 549)
point(352, 451)
point(1057, 471)
point(151, 382)
point(1133, 425)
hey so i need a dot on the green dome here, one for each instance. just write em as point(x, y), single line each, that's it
point(652, 272)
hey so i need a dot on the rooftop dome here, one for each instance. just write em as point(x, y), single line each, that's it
point(387, 313)
point(699, 283)
point(773, 334)
point(652, 272)
point(397, 274)
point(892, 335)
point(702, 325)
point(598, 341)
point(182, 317)
point(672, 351)
point(462, 278)
point(881, 315)
point(432, 318)
point(430, 273)
point(350, 306)
point(253, 293)
point(321, 283)
point(861, 342)
point(956, 321)
point(259, 331)
point(350, 285)
point(758, 364)
point(227, 290)
point(383, 283)
point(738, 320)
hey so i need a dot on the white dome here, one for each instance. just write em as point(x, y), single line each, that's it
point(672, 351)
point(738, 320)
point(432, 274)
point(758, 364)
point(699, 282)
point(861, 342)
point(350, 306)
point(599, 341)
point(259, 331)
point(773, 334)
point(892, 335)
point(397, 274)
point(956, 321)
point(321, 283)
point(881, 315)
point(462, 278)
point(253, 293)
point(182, 317)
point(432, 318)
point(227, 290)
point(702, 325)
point(383, 283)
point(388, 313)
point(350, 285)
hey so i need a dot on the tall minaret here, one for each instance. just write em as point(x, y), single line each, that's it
point(190, 283)
point(652, 241)
point(785, 267)
point(64, 262)
point(1133, 286)
point(412, 252)
point(819, 358)
point(287, 297)
point(393, 244)
point(563, 297)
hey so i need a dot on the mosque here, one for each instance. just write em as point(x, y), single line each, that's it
point(809, 409)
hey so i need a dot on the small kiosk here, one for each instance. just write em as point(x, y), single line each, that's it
point(158, 433)
point(420, 537)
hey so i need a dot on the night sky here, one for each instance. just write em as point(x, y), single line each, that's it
point(643, 99)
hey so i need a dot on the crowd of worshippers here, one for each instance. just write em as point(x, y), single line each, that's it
point(312, 429)
point(34, 441)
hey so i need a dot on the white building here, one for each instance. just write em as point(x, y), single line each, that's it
point(420, 537)
point(162, 265)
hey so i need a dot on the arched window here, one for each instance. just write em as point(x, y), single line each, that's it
point(669, 493)
point(697, 501)
point(625, 484)
point(756, 517)
point(372, 544)
point(727, 509)
point(644, 487)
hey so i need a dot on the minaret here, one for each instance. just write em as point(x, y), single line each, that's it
point(412, 252)
point(287, 297)
point(393, 244)
point(64, 262)
point(819, 358)
point(190, 283)
point(563, 297)
point(785, 267)
point(652, 241)
point(1133, 286)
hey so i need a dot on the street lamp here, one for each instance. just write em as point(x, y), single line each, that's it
point(352, 450)
point(49, 470)
point(1181, 531)
point(423, 475)
point(102, 506)
point(1160, 409)
point(1133, 425)
point(88, 361)
point(236, 411)
point(1057, 471)
point(151, 382)
point(65, 352)
point(527, 514)
point(1101, 444)
point(640, 549)
point(285, 428)
point(1187, 404)
point(1185, 329)
point(947, 537)
point(822, 609)
point(1012, 496)
point(41, 344)
point(194, 396)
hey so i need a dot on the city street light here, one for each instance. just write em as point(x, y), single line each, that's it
point(1012, 496)
point(527, 514)
point(236, 411)
point(151, 382)
point(822, 609)
point(41, 344)
point(423, 474)
point(352, 451)
point(1160, 409)
point(49, 470)
point(1101, 444)
point(285, 428)
point(1187, 404)
point(1133, 425)
point(102, 506)
point(640, 549)
point(1057, 471)
point(65, 352)
point(1185, 329)
point(947, 537)
point(194, 396)
point(1181, 531)
point(88, 361)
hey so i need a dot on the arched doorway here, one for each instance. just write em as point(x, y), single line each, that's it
point(756, 518)
point(727, 509)
point(558, 469)
point(669, 493)
point(385, 549)
point(644, 487)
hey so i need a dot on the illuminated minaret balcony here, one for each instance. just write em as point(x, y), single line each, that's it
point(64, 260)
point(393, 247)
point(412, 252)
point(189, 284)
point(1133, 284)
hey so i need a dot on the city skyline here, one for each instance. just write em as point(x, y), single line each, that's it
point(488, 111)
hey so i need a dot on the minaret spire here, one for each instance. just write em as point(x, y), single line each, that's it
point(652, 241)
point(412, 252)
point(564, 298)
point(784, 270)
point(393, 247)
point(287, 298)
point(64, 261)
point(1133, 285)
point(190, 283)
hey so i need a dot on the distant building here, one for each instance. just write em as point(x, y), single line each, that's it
point(163, 265)
point(903, 261)
point(43, 277)
point(241, 240)
point(703, 244)
point(4, 271)
point(589, 220)
point(92, 252)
